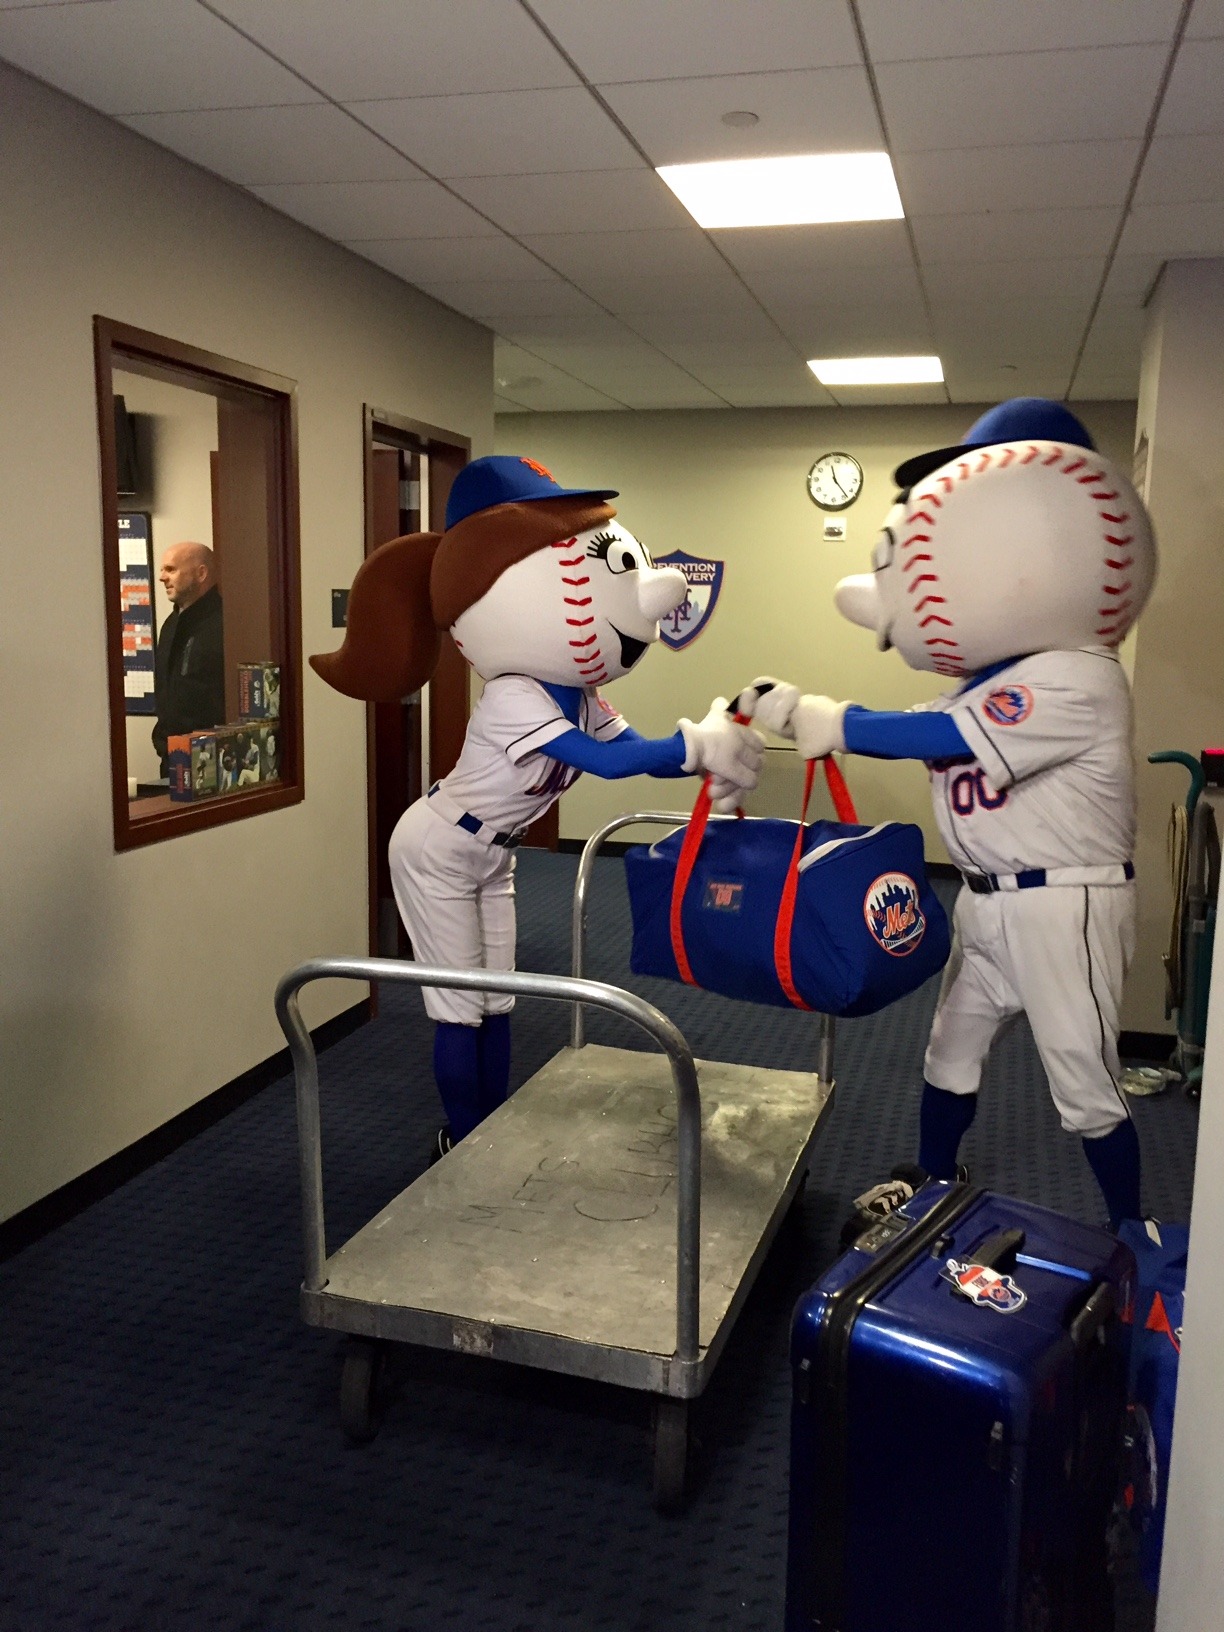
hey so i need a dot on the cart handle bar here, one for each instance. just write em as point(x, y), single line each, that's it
point(518, 983)
point(586, 862)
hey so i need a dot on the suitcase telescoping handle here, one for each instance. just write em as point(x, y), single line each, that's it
point(843, 804)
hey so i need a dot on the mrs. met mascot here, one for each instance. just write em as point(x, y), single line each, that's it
point(1014, 564)
point(547, 597)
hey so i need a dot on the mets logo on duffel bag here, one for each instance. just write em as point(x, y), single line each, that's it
point(894, 913)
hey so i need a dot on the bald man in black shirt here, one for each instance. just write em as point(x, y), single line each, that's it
point(189, 677)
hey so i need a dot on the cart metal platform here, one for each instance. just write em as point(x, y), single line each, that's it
point(608, 1221)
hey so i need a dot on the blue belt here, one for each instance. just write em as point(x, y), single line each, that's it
point(1032, 879)
point(473, 825)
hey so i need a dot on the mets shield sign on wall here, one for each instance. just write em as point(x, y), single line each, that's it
point(705, 578)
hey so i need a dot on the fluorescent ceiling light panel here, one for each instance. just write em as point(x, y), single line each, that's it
point(797, 190)
point(877, 370)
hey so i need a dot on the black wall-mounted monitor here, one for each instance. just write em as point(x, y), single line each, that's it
point(125, 451)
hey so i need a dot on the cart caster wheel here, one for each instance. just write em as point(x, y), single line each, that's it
point(363, 1390)
point(671, 1447)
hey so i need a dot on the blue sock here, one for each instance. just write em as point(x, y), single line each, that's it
point(1115, 1162)
point(456, 1064)
point(943, 1122)
point(493, 1047)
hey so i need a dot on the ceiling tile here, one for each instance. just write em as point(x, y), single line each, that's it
point(259, 147)
point(1007, 333)
point(979, 282)
point(1054, 175)
point(1193, 104)
point(142, 56)
point(999, 236)
point(538, 385)
point(438, 260)
point(1045, 96)
point(678, 254)
point(588, 201)
point(707, 300)
point(679, 121)
point(744, 329)
point(503, 132)
point(792, 252)
point(862, 329)
point(641, 39)
point(1206, 20)
point(895, 284)
point(952, 28)
point(377, 209)
point(1173, 230)
point(356, 49)
point(702, 357)
point(674, 393)
point(974, 381)
point(887, 396)
point(1110, 364)
point(1132, 278)
point(768, 388)
point(503, 405)
point(1183, 170)
point(547, 329)
point(496, 301)
point(26, 5)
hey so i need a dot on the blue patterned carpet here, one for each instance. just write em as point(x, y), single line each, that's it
point(169, 1444)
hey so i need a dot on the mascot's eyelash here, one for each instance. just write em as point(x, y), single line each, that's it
point(600, 545)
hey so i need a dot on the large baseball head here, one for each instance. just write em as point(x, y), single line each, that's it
point(1022, 539)
point(529, 577)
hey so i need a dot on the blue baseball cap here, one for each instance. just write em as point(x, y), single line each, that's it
point(509, 478)
point(1021, 419)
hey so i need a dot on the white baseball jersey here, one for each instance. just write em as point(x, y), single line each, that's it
point(502, 777)
point(1053, 781)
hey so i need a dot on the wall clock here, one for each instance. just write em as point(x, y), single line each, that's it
point(835, 481)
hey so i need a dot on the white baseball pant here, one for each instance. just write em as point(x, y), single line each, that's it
point(456, 897)
point(1059, 954)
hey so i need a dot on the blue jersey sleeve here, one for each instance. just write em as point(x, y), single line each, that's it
point(627, 754)
point(921, 735)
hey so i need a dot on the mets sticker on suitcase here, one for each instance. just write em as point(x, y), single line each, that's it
point(893, 910)
point(985, 1287)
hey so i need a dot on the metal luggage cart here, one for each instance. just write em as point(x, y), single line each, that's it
point(607, 1222)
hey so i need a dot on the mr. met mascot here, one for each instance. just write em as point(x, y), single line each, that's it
point(547, 597)
point(1014, 564)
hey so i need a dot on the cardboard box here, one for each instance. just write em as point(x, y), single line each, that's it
point(258, 691)
point(270, 751)
point(228, 764)
point(192, 760)
point(250, 758)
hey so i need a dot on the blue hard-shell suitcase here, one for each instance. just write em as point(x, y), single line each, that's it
point(954, 1467)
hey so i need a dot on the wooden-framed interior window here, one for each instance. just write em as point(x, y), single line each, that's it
point(198, 458)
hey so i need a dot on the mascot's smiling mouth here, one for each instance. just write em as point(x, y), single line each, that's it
point(631, 649)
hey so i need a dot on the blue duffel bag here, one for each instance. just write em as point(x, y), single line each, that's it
point(831, 916)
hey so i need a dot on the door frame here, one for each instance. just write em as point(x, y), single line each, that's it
point(448, 452)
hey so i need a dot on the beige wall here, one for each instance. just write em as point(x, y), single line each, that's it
point(179, 431)
point(1179, 665)
point(135, 984)
point(732, 485)
point(1180, 695)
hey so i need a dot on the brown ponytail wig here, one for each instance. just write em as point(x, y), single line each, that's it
point(410, 589)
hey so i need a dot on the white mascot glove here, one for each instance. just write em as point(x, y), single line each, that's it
point(770, 703)
point(817, 725)
point(720, 747)
point(726, 797)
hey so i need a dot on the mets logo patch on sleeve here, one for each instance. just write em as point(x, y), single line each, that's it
point(1009, 705)
point(894, 914)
